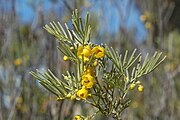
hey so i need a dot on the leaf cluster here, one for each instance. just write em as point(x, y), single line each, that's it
point(109, 94)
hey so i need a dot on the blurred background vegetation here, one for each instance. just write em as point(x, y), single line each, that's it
point(148, 25)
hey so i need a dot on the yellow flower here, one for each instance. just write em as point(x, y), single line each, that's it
point(18, 62)
point(140, 88)
point(77, 117)
point(87, 81)
point(132, 86)
point(65, 58)
point(84, 51)
point(82, 93)
point(98, 52)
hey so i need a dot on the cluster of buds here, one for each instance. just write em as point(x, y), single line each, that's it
point(138, 83)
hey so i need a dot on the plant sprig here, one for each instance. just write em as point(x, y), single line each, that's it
point(101, 76)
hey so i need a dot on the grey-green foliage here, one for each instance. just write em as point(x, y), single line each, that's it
point(79, 35)
point(125, 69)
point(52, 83)
point(123, 63)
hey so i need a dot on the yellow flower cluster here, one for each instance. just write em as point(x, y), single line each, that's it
point(85, 52)
point(88, 78)
point(87, 83)
point(140, 87)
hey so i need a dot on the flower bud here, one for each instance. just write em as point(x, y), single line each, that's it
point(132, 86)
point(71, 48)
point(65, 58)
point(73, 97)
point(140, 88)
point(68, 95)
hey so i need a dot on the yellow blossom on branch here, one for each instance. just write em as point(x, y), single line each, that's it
point(82, 93)
point(84, 51)
point(98, 52)
point(87, 81)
